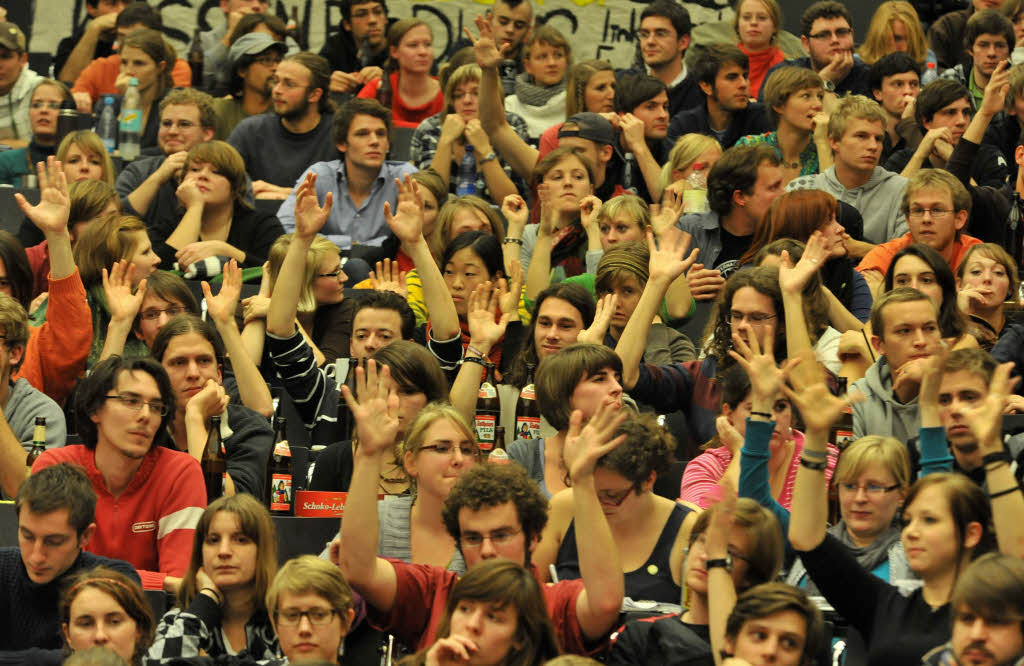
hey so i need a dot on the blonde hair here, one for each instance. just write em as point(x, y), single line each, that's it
point(684, 153)
point(785, 82)
point(428, 416)
point(877, 42)
point(888, 451)
point(464, 74)
point(446, 216)
point(319, 249)
point(997, 254)
point(100, 245)
point(576, 85)
point(774, 13)
point(850, 107)
point(13, 321)
point(630, 204)
point(310, 574)
point(88, 142)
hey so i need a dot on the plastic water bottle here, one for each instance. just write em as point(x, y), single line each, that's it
point(467, 173)
point(131, 122)
point(695, 196)
point(107, 125)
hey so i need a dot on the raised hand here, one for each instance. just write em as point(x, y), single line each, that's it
point(793, 278)
point(546, 195)
point(222, 306)
point(51, 214)
point(995, 92)
point(477, 137)
point(704, 283)
point(931, 378)
point(728, 435)
point(480, 309)
point(511, 290)
point(407, 223)
point(670, 260)
point(757, 358)
point(818, 407)
point(310, 216)
point(375, 409)
point(590, 206)
point(986, 419)
point(722, 514)
point(255, 307)
point(516, 213)
point(486, 51)
point(584, 446)
point(594, 334)
point(665, 216)
point(388, 277)
point(122, 303)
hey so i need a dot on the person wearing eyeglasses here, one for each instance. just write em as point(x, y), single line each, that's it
point(220, 606)
point(826, 32)
point(149, 497)
point(252, 63)
point(492, 512)
point(936, 206)
point(18, 165)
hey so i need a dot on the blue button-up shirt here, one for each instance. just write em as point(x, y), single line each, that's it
point(347, 223)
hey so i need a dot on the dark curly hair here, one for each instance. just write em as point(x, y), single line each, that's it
point(487, 486)
point(719, 329)
point(648, 448)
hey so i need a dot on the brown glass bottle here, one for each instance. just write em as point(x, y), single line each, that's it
point(488, 412)
point(38, 443)
point(527, 410)
point(195, 61)
point(279, 472)
point(214, 464)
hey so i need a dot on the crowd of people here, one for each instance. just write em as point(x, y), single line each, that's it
point(761, 291)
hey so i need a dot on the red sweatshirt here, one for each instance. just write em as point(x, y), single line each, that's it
point(151, 523)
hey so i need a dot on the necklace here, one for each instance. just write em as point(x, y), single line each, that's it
point(787, 165)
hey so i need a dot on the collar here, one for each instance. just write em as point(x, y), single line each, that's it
point(676, 81)
point(343, 173)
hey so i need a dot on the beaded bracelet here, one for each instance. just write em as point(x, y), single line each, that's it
point(474, 359)
point(517, 241)
point(816, 465)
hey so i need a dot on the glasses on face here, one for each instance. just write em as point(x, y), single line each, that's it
point(291, 617)
point(936, 213)
point(268, 59)
point(841, 33)
point(46, 105)
point(872, 489)
point(660, 33)
point(751, 317)
point(135, 403)
point(497, 538)
point(153, 315)
point(614, 498)
point(449, 450)
point(364, 13)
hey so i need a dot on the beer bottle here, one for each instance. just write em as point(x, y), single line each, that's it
point(527, 410)
point(498, 455)
point(488, 412)
point(214, 463)
point(38, 442)
point(279, 472)
point(195, 61)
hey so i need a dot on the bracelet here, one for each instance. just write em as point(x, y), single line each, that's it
point(765, 415)
point(1008, 491)
point(488, 157)
point(474, 359)
point(816, 465)
point(216, 594)
point(476, 351)
point(998, 456)
point(815, 455)
point(517, 241)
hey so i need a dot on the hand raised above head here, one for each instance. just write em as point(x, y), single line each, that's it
point(310, 216)
point(375, 409)
point(51, 214)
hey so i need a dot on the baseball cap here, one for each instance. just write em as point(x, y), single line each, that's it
point(12, 37)
point(591, 126)
point(252, 44)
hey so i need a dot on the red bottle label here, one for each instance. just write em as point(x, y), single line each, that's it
point(281, 492)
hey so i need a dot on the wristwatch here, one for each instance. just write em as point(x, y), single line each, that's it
point(724, 562)
point(488, 157)
point(830, 86)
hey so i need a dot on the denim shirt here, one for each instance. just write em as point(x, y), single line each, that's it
point(704, 227)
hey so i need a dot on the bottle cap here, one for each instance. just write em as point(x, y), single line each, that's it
point(698, 166)
point(133, 81)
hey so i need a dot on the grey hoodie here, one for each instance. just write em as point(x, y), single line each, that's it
point(24, 404)
point(877, 200)
point(880, 413)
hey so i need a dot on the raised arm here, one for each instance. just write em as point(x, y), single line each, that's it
point(666, 264)
point(407, 225)
point(664, 216)
point(792, 280)
point(538, 274)
point(254, 314)
point(516, 213)
point(123, 305)
point(635, 142)
point(991, 104)
point(252, 388)
point(376, 414)
point(940, 138)
point(484, 333)
point(721, 590)
point(597, 607)
point(310, 217)
point(499, 185)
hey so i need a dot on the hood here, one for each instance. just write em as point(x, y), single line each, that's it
point(881, 413)
point(879, 177)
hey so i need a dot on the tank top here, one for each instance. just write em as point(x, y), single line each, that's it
point(652, 581)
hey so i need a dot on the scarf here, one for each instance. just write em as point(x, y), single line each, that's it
point(873, 554)
point(760, 63)
point(565, 251)
point(531, 94)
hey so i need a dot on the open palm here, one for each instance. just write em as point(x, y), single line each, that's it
point(51, 214)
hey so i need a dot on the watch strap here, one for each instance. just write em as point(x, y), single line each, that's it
point(724, 562)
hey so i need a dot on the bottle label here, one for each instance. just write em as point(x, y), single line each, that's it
point(528, 427)
point(487, 391)
point(282, 449)
point(280, 492)
point(528, 393)
point(131, 120)
point(695, 201)
point(39, 435)
point(485, 425)
point(843, 438)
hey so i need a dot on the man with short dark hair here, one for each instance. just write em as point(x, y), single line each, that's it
point(741, 186)
point(722, 73)
point(662, 40)
point(359, 48)
point(361, 182)
point(279, 147)
point(56, 511)
point(895, 81)
point(946, 34)
point(943, 111)
point(987, 608)
point(93, 38)
point(989, 39)
point(17, 82)
point(511, 22)
point(149, 497)
point(642, 104)
point(148, 185)
point(769, 623)
point(252, 62)
point(826, 31)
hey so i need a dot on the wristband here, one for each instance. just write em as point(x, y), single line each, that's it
point(476, 351)
point(517, 241)
point(488, 157)
point(475, 359)
point(216, 594)
point(814, 455)
point(765, 415)
point(815, 465)
point(997, 456)
point(1008, 491)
